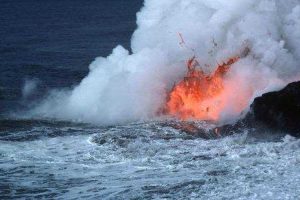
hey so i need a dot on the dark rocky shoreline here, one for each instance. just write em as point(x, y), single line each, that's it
point(274, 112)
point(279, 110)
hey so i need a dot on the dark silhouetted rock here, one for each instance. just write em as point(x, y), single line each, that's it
point(277, 112)
point(280, 110)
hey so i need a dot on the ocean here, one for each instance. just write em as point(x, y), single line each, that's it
point(48, 45)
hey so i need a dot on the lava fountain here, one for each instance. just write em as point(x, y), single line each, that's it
point(199, 96)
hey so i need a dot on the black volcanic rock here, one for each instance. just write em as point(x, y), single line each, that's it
point(280, 110)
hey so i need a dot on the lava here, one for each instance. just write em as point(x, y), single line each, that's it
point(198, 95)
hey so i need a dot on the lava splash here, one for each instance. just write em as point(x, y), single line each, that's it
point(198, 95)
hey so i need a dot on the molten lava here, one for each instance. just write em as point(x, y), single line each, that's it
point(198, 96)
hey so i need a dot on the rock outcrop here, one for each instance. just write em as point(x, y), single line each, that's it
point(277, 112)
point(280, 110)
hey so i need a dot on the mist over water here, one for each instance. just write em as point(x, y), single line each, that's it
point(133, 86)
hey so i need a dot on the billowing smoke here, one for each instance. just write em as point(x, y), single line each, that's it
point(126, 87)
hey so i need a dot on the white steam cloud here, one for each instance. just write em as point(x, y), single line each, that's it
point(126, 87)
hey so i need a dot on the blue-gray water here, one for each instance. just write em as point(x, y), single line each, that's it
point(53, 42)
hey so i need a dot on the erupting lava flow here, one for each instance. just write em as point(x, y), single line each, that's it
point(198, 96)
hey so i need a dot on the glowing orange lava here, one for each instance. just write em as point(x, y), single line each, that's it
point(198, 96)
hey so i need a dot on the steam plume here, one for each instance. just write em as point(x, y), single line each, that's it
point(126, 87)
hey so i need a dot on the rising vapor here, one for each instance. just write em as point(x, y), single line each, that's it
point(125, 87)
